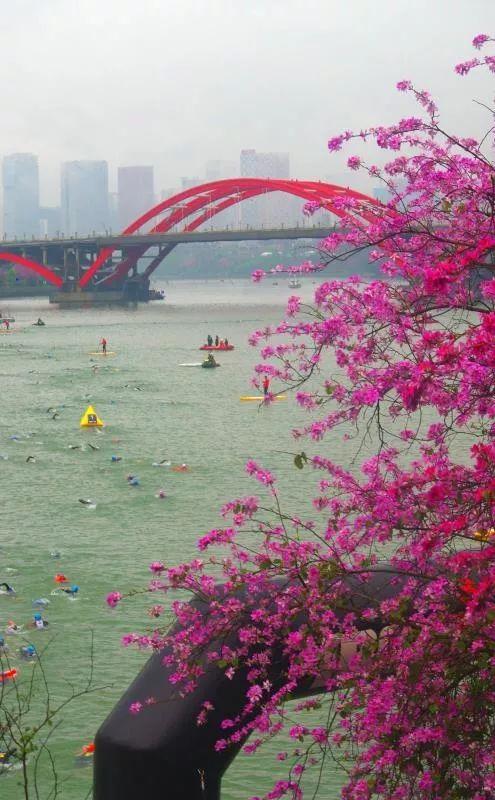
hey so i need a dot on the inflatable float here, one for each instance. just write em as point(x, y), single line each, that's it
point(217, 347)
point(245, 398)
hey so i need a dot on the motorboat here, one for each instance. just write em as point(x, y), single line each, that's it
point(294, 283)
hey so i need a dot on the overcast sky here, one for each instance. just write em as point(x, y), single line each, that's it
point(175, 83)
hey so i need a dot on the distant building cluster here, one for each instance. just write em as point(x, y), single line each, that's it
point(87, 206)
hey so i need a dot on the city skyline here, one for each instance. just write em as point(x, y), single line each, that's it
point(87, 203)
point(310, 72)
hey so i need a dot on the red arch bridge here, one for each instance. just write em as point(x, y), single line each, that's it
point(111, 262)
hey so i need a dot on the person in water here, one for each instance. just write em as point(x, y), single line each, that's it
point(216, 340)
point(266, 385)
point(226, 342)
point(209, 340)
point(104, 345)
point(8, 589)
point(71, 590)
point(38, 622)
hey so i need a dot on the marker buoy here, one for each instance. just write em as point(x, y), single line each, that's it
point(90, 419)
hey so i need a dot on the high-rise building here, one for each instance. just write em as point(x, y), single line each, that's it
point(136, 193)
point(264, 165)
point(21, 195)
point(85, 197)
point(218, 169)
point(273, 208)
point(50, 221)
point(190, 183)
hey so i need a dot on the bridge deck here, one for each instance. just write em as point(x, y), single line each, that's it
point(180, 237)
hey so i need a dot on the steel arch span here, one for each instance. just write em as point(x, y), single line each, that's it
point(194, 206)
point(46, 273)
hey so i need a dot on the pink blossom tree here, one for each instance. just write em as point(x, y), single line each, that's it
point(407, 362)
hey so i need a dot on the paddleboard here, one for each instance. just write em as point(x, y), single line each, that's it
point(99, 353)
point(245, 398)
point(4, 333)
point(195, 364)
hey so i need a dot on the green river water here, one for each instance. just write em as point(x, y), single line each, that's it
point(156, 410)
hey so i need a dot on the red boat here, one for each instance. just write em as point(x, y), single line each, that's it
point(217, 347)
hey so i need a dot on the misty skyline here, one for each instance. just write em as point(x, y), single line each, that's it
point(176, 84)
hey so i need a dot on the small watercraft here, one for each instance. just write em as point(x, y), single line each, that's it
point(294, 283)
point(217, 347)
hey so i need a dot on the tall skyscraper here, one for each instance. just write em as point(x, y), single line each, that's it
point(50, 221)
point(273, 208)
point(217, 169)
point(21, 195)
point(85, 197)
point(264, 165)
point(136, 193)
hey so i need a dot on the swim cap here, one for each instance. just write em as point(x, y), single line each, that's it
point(74, 589)
point(37, 617)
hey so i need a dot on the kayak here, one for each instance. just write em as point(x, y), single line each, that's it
point(216, 347)
point(246, 397)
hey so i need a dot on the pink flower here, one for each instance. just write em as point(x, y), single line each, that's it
point(113, 598)
point(335, 143)
point(157, 567)
point(136, 707)
point(480, 40)
point(354, 162)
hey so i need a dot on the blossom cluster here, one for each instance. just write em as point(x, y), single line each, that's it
point(408, 360)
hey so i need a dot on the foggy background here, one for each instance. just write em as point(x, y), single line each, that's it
point(177, 83)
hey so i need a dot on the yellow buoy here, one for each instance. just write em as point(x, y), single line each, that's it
point(90, 419)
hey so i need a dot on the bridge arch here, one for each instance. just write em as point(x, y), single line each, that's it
point(216, 196)
point(46, 273)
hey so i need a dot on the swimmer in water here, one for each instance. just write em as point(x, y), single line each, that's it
point(161, 494)
point(12, 627)
point(38, 622)
point(71, 591)
point(30, 460)
point(87, 502)
point(3, 647)
point(40, 602)
point(7, 589)
point(28, 652)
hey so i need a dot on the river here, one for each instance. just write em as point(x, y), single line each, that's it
point(153, 409)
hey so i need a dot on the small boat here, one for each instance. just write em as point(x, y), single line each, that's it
point(294, 283)
point(210, 364)
point(156, 294)
point(217, 347)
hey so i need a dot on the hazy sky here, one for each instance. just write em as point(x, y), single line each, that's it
point(175, 83)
